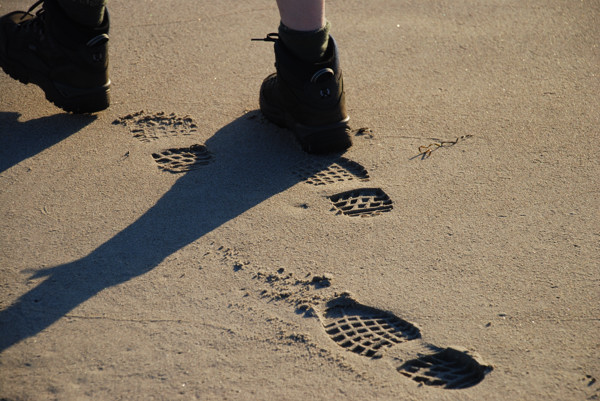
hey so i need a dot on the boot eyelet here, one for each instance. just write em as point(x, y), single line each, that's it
point(325, 93)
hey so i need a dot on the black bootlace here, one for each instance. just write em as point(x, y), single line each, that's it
point(271, 37)
point(33, 7)
point(34, 23)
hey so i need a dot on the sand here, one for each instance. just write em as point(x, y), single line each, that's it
point(179, 246)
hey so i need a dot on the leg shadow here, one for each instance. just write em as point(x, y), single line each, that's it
point(252, 163)
point(22, 140)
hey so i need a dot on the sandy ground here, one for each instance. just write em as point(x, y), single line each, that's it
point(125, 278)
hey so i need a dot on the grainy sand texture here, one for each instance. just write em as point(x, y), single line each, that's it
point(178, 246)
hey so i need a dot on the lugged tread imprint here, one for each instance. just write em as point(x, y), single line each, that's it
point(324, 172)
point(181, 160)
point(448, 368)
point(152, 126)
point(365, 330)
point(364, 202)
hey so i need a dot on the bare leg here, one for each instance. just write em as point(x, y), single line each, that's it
point(302, 15)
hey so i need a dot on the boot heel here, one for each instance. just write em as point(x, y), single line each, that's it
point(77, 100)
point(323, 139)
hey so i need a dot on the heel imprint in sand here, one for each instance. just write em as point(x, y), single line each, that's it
point(363, 202)
point(181, 160)
point(448, 368)
point(323, 171)
point(364, 330)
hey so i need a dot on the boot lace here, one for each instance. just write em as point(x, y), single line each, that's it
point(271, 37)
point(33, 7)
point(34, 24)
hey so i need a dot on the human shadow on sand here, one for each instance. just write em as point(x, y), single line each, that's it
point(22, 140)
point(253, 161)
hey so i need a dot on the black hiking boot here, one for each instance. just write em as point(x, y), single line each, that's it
point(308, 99)
point(67, 60)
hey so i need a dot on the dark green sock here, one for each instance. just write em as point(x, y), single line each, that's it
point(309, 46)
point(84, 12)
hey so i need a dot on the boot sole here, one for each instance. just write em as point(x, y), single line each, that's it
point(68, 98)
point(320, 139)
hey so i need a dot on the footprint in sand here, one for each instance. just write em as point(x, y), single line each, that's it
point(181, 160)
point(362, 202)
point(369, 332)
point(148, 127)
point(322, 171)
point(448, 368)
